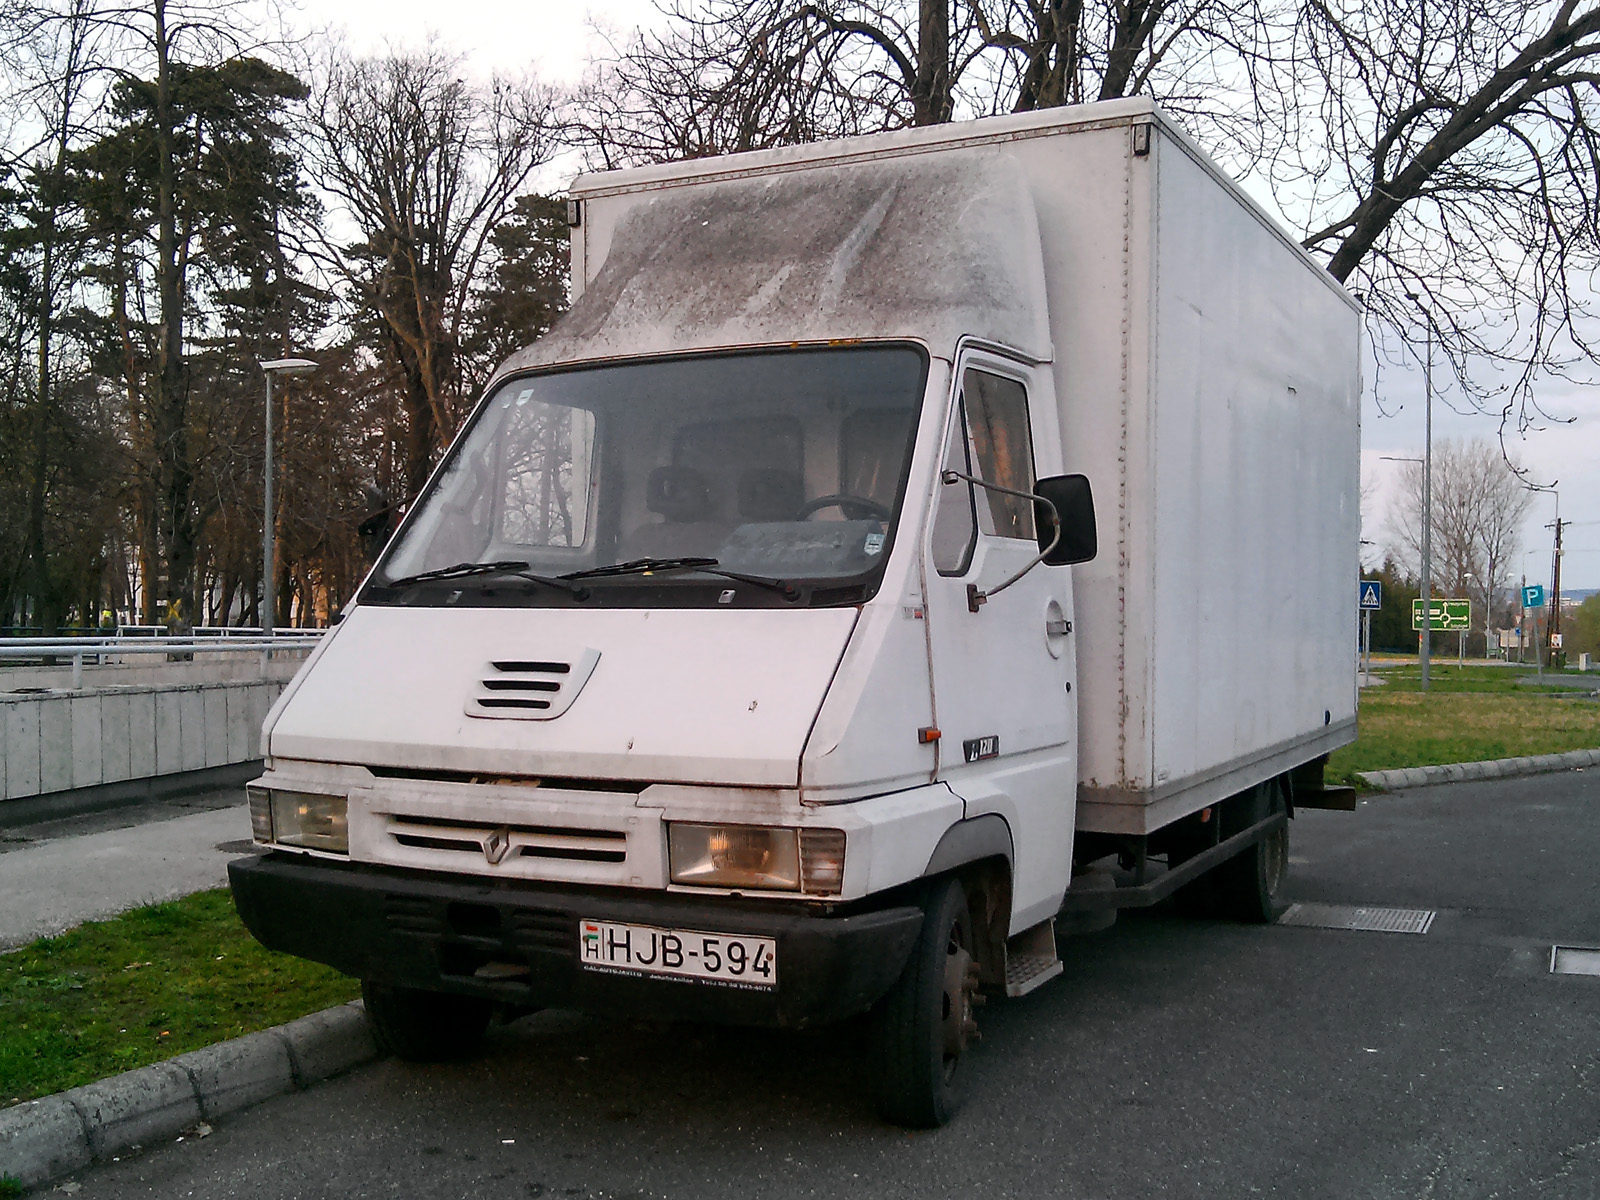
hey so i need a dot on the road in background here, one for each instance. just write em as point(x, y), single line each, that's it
point(1176, 1058)
point(58, 874)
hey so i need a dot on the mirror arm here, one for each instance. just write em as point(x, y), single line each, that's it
point(975, 597)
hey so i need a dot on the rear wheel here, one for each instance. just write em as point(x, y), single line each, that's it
point(1247, 886)
point(423, 1026)
point(925, 1024)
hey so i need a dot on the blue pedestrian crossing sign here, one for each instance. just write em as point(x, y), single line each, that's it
point(1371, 594)
point(1533, 596)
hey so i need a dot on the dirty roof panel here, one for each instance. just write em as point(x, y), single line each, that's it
point(924, 246)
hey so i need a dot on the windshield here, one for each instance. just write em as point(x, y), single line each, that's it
point(746, 479)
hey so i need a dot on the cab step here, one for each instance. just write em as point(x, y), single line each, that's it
point(1031, 959)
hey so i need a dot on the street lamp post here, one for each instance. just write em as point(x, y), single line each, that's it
point(1427, 542)
point(269, 519)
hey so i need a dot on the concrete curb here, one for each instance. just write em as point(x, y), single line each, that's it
point(56, 1135)
point(1495, 768)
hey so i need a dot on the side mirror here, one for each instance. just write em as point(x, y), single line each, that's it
point(1074, 502)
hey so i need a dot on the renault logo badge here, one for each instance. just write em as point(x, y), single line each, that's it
point(496, 845)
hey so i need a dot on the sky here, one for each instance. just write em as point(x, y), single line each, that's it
point(556, 39)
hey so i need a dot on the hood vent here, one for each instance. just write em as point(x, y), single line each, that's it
point(530, 689)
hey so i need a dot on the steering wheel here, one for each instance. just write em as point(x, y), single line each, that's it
point(855, 508)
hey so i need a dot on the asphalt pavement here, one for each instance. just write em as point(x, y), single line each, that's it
point(58, 874)
point(1175, 1058)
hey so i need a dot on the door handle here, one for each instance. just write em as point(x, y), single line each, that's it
point(1057, 627)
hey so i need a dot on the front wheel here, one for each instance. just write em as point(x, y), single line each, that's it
point(925, 1024)
point(420, 1026)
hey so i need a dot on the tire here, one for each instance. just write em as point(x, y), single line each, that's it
point(1246, 887)
point(420, 1026)
point(923, 1027)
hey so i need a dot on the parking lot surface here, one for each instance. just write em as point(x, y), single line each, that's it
point(1176, 1058)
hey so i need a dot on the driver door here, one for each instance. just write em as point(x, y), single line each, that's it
point(1002, 673)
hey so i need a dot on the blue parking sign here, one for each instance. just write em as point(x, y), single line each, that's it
point(1533, 596)
point(1371, 594)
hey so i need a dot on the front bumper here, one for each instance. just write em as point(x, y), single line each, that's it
point(422, 930)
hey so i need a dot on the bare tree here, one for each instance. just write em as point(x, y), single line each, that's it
point(1478, 507)
point(426, 166)
point(727, 76)
point(1450, 149)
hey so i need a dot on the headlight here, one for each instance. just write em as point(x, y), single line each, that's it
point(733, 856)
point(756, 856)
point(308, 820)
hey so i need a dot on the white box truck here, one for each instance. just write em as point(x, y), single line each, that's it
point(906, 549)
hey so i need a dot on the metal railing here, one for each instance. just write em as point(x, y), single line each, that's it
point(42, 651)
point(150, 631)
point(218, 631)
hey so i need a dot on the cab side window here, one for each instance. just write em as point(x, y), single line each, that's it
point(1002, 450)
point(955, 529)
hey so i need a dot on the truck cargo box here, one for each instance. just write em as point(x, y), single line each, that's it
point(1209, 383)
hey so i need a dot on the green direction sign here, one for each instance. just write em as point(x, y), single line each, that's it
point(1443, 615)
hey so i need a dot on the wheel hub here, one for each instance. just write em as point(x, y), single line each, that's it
point(960, 985)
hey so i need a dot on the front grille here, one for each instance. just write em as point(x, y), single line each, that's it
point(580, 853)
point(508, 841)
point(425, 842)
point(533, 689)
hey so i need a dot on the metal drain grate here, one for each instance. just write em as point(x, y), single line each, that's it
point(1352, 917)
point(1574, 960)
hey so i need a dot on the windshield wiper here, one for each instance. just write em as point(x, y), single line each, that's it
point(652, 566)
point(641, 566)
point(458, 571)
point(504, 566)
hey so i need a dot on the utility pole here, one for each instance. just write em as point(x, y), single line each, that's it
point(1555, 580)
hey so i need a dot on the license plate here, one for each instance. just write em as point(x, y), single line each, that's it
point(728, 959)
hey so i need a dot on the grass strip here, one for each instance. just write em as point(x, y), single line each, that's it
point(1447, 677)
point(1411, 729)
point(114, 995)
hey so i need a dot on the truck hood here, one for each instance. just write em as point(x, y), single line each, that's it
point(679, 695)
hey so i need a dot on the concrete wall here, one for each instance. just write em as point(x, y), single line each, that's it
point(62, 740)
